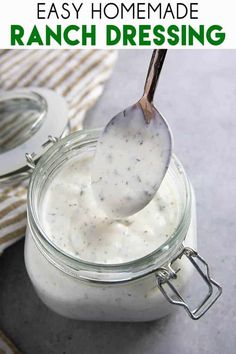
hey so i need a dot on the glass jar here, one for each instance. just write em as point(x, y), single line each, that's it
point(141, 290)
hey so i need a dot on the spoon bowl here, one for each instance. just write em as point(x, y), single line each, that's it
point(133, 153)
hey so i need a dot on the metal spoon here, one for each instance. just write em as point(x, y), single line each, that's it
point(133, 152)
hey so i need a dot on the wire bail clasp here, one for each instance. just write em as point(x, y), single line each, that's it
point(165, 276)
point(30, 158)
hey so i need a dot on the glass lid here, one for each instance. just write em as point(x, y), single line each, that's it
point(21, 115)
point(27, 117)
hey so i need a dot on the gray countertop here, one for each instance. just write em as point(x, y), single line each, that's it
point(197, 94)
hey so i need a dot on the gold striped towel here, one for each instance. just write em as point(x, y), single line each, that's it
point(79, 76)
point(6, 346)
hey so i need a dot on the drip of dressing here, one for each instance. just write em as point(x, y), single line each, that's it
point(133, 153)
point(70, 217)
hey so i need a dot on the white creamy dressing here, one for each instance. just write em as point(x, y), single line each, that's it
point(72, 220)
point(131, 160)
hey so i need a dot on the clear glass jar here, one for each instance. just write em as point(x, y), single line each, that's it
point(140, 290)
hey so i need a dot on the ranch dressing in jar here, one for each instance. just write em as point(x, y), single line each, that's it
point(87, 266)
point(82, 264)
point(72, 220)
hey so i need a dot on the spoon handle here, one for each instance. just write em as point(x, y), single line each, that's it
point(154, 71)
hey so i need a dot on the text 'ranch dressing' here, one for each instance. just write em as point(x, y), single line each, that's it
point(74, 223)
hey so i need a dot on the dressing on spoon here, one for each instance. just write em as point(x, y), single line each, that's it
point(133, 153)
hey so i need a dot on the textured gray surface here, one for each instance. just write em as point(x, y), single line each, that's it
point(197, 94)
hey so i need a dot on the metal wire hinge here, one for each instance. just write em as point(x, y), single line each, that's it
point(30, 158)
point(165, 276)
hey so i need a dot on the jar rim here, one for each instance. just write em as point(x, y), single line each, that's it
point(98, 271)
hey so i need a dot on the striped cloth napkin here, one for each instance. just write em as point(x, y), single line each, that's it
point(79, 76)
point(6, 346)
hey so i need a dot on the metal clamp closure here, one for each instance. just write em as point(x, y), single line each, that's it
point(165, 276)
point(30, 158)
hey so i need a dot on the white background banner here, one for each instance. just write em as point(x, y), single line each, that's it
point(128, 24)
